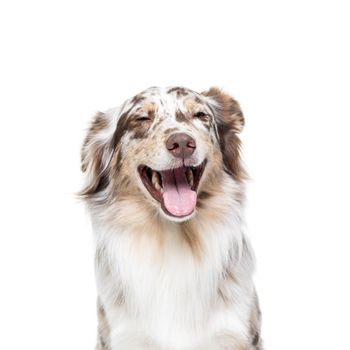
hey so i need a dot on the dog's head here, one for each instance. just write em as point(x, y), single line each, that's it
point(167, 147)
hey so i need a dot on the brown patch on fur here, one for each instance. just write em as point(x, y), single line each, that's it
point(230, 122)
point(198, 100)
point(207, 122)
point(99, 122)
point(92, 155)
point(180, 91)
point(255, 325)
point(202, 197)
point(193, 106)
point(207, 208)
point(191, 235)
point(116, 162)
point(140, 131)
point(149, 107)
point(180, 117)
point(155, 232)
point(119, 179)
point(172, 90)
point(121, 128)
point(169, 131)
point(190, 104)
point(137, 99)
point(130, 123)
point(103, 340)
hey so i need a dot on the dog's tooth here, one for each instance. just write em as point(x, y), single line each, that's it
point(189, 176)
point(156, 181)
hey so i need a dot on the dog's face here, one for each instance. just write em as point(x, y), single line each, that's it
point(167, 147)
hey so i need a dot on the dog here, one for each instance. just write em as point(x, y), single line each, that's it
point(164, 184)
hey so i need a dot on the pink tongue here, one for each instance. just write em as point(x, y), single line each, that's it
point(178, 197)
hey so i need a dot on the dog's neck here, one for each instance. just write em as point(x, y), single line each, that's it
point(164, 268)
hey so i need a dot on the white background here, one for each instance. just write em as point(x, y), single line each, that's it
point(287, 62)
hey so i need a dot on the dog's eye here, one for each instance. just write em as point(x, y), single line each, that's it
point(199, 115)
point(143, 119)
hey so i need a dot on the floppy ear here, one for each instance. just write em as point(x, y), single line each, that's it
point(95, 156)
point(230, 122)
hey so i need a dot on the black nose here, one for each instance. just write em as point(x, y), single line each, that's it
point(181, 145)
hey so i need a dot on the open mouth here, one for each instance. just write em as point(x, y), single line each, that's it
point(175, 189)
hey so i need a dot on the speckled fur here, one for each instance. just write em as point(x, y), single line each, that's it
point(168, 283)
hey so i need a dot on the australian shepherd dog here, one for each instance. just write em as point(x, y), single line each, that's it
point(164, 184)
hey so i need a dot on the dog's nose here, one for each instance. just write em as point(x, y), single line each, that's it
point(181, 145)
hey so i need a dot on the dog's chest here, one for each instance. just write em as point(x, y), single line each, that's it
point(167, 290)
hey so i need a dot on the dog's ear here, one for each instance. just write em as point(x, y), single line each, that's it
point(230, 121)
point(95, 156)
